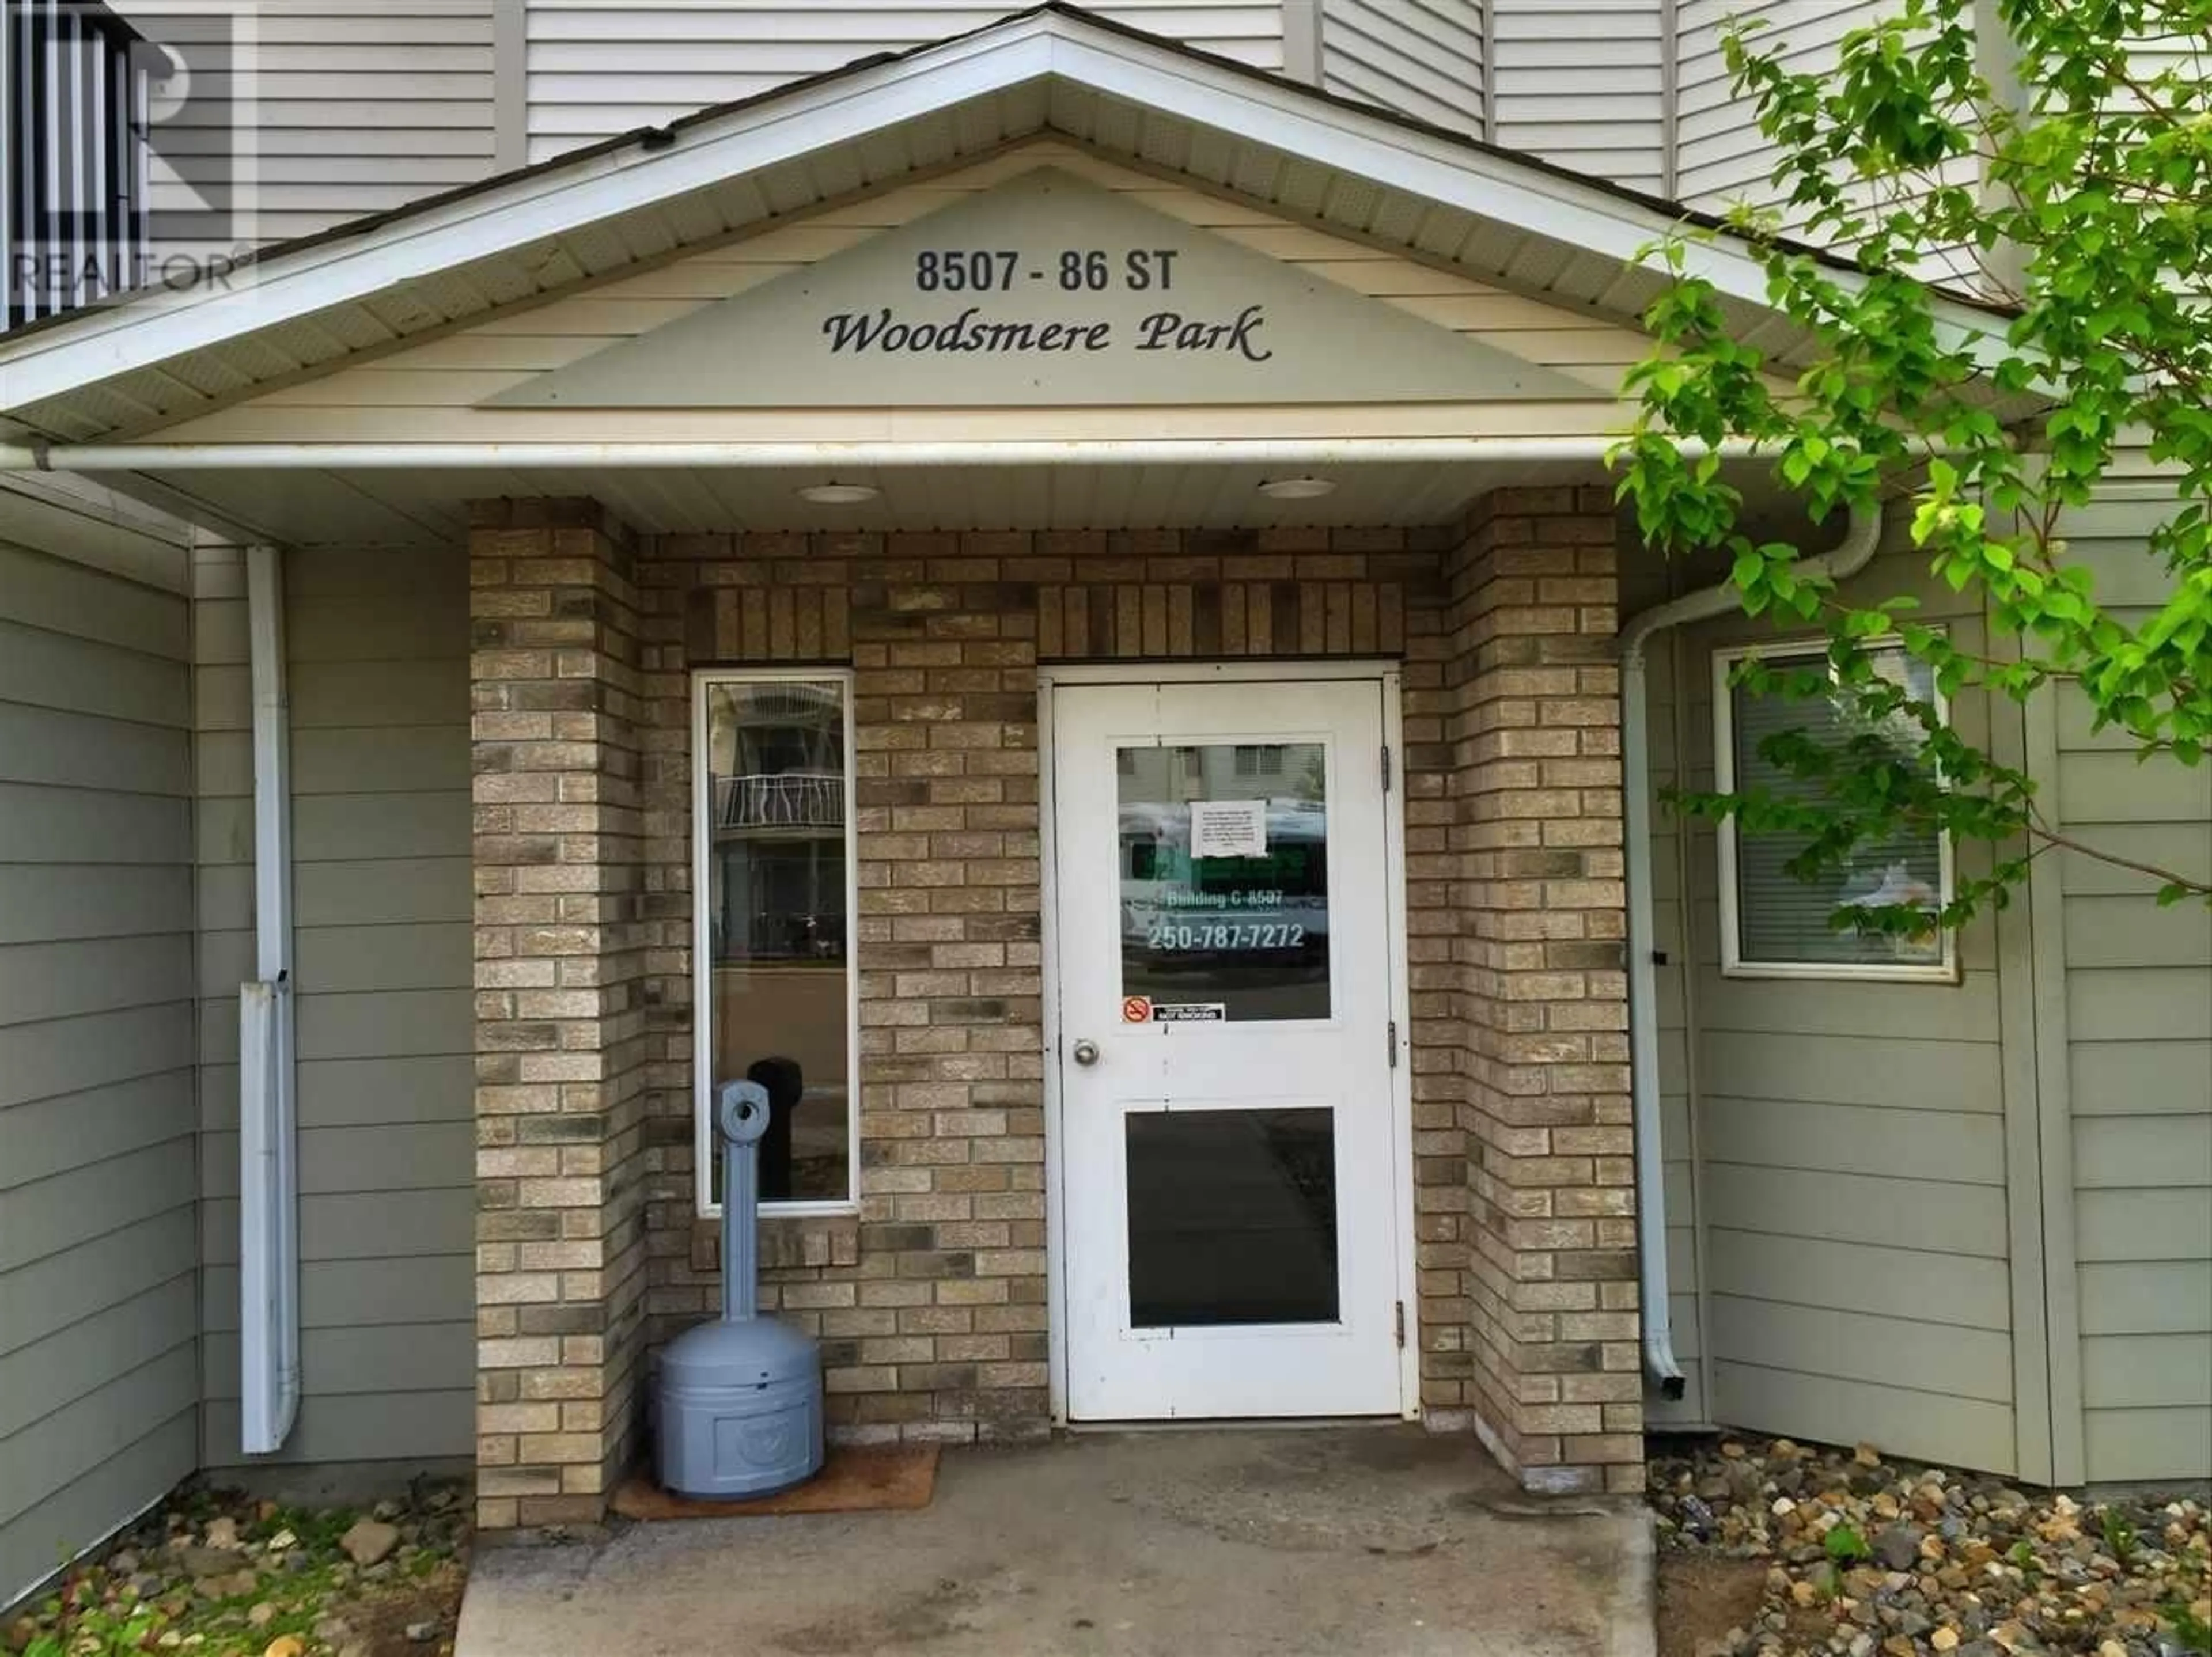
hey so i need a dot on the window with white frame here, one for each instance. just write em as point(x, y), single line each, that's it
point(1773, 923)
point(772, 885)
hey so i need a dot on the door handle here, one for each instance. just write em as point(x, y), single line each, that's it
point(1086, 1053)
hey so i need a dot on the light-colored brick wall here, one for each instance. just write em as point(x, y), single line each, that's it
point(931, 1301)
point(560, 1047)
point(1546, 1247)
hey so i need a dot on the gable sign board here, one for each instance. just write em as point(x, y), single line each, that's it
point(1046, 289)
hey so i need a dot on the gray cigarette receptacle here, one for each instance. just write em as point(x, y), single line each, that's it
point(740, 1402)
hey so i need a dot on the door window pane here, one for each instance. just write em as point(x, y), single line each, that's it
point(1225, 883)
point(1232, 1216)
point(776, 928)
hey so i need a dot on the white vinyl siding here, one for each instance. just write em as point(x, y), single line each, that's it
point(596, 67)
point(99, 1389)
point(362, 104)
point(378, 648)
point(1850, 1168)
point(2138, 1003)
point(1420, 57)
point(1721, 156)
point(1582, 85)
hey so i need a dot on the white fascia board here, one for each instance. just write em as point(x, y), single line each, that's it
point(1494, 187)
point(138, 335)
point(110, 342)
point(1488, 186)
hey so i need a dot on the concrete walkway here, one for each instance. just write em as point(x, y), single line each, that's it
point(1343, 1542)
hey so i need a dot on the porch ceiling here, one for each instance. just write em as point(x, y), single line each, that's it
point(406, 507)
point(429, 506)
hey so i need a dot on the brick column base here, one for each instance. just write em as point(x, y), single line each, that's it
point(560, 1047)
point(1547, 1244)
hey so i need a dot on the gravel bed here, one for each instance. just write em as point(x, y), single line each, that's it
point(215, 1573)
point(1872, 1555)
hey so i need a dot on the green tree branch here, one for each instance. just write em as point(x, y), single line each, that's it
point(2099, 193)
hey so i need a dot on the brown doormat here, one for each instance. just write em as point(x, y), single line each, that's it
point(854, 1478)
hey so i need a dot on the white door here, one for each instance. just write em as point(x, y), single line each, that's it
point(1229, 1163)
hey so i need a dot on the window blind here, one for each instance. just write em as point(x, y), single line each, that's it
point(1781, 920)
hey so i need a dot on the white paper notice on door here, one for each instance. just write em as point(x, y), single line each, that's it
point(1229, 828)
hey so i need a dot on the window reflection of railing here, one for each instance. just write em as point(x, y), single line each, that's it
point(792, 799)
point(771, 701)
point(782, 937)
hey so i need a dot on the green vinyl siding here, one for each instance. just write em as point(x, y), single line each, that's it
point(1850, 1169)
point(99, 1318)
point(2138, 1061)
point(377, 645)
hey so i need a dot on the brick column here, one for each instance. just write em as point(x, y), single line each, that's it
point(1547, 1244)
point(943, 1335)
point(560, 1047)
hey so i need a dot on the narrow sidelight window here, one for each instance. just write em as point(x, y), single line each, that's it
point(774, 899)
point(1775, 926)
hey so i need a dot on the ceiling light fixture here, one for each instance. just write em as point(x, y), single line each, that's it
point(838, 494)
point(1297, 489)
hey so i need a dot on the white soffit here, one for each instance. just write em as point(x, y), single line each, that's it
point(404, 506)
point(615, 208)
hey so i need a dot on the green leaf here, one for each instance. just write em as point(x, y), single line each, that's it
point(1845, 1545)
point(2004, 439)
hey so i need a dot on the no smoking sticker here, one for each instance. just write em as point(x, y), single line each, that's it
point(1136, 1010)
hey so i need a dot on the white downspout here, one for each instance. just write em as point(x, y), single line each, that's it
point(1851, 554)
point(267, 1163)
